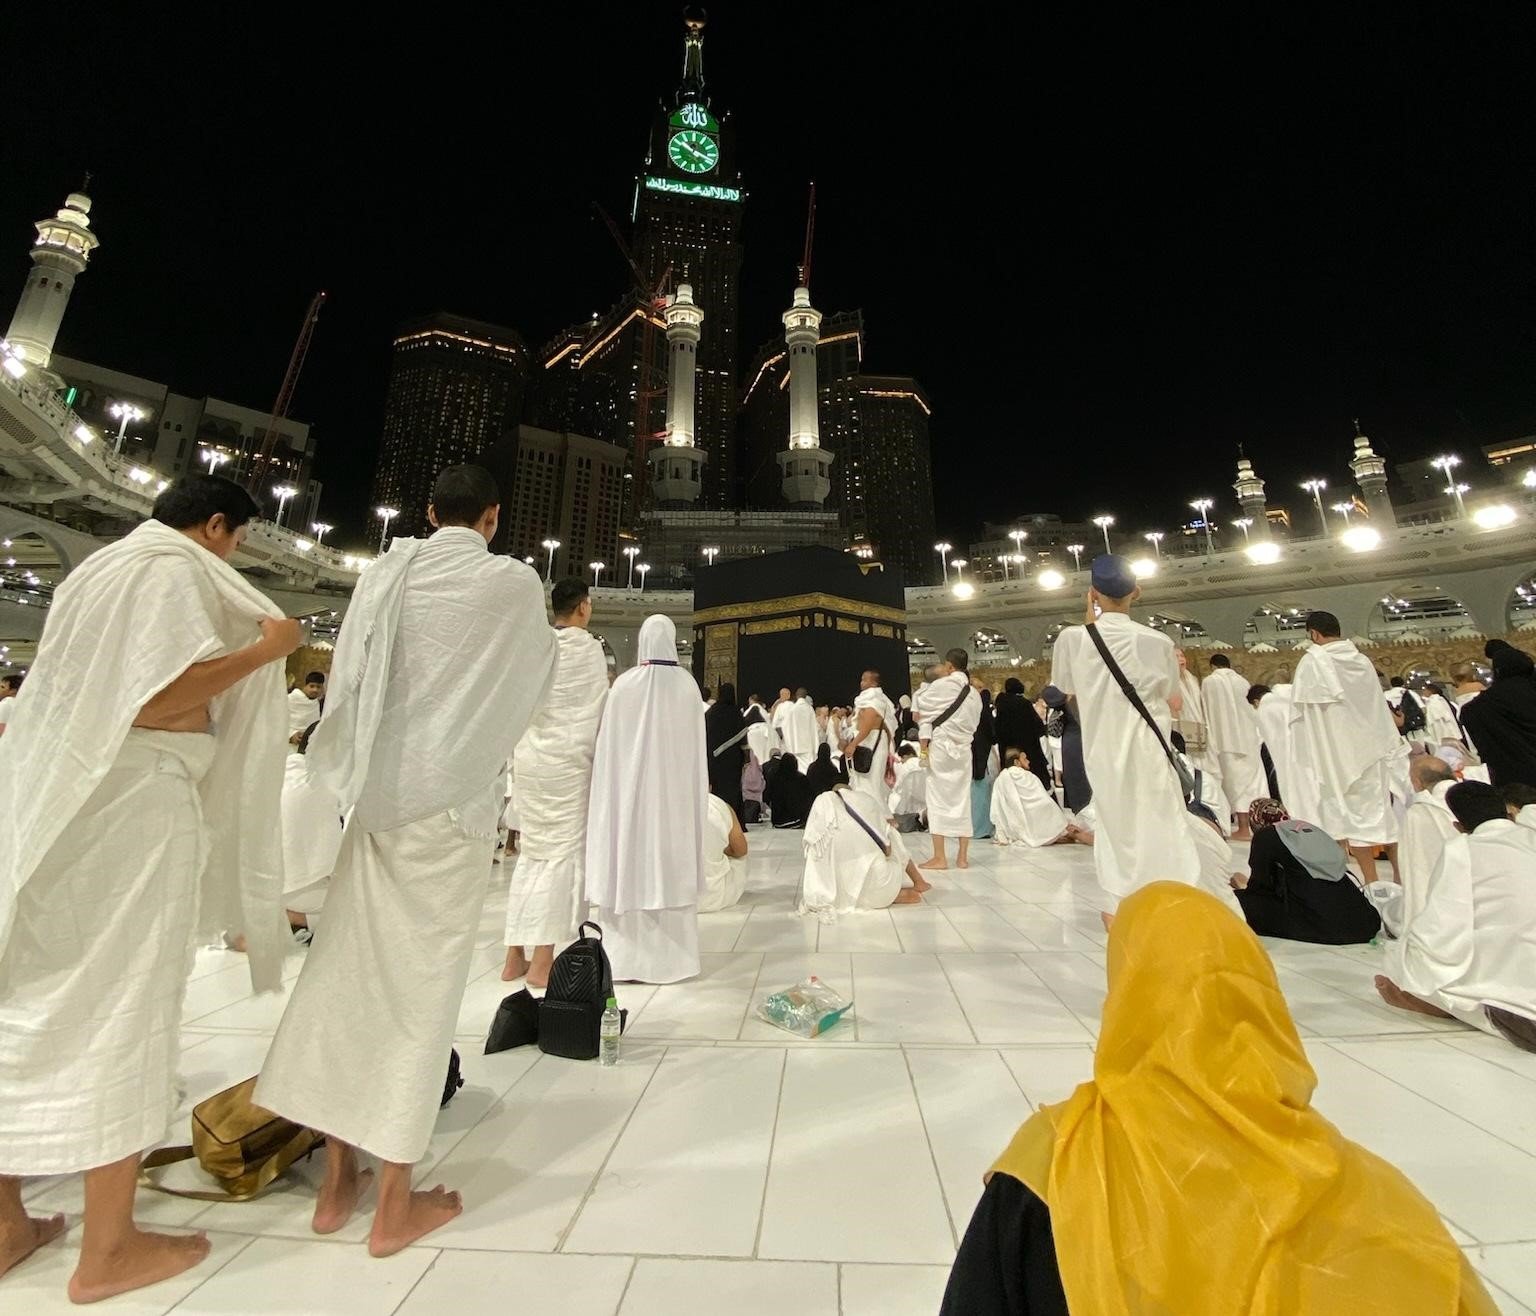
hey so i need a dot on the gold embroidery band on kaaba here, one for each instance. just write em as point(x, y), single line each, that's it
point(800, 603)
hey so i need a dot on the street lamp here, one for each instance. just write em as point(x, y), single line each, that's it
point(1018, 537)
point(632, 552)
point(550, 545)
point(1203, 506)
point(642, 568)
point(125, 412)
point(1242, 523)
point(1155, 538)
point(385, 514)
point(596, 568)
point(960, 564)
point(1315, 488)
point(1344, 509)
point(1458, 490)
point(1104, 523)
point(1445, 465)
point(712, 552)
point(214, 458)
point(321, 529)
point(1077, 556)
point(282, 492)
point(944, 550)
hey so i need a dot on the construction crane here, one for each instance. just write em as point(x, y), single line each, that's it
point(651, 384)
point(284, 396)
point(810, 238)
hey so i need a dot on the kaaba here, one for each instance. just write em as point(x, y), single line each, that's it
point(812, 617)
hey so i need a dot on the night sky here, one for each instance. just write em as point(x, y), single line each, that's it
point(1111, 248)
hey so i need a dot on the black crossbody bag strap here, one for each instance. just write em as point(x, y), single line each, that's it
point(867, 829)
point(950, 711)
point(1135, 699)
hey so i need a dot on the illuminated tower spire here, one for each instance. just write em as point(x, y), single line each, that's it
point(693, 59)
point(806, 464)
point(1250, 495)
point(62, 251)
point(1370, 473)
point(676, 463)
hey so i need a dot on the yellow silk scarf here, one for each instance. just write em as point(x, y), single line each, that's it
point(1191, 1177)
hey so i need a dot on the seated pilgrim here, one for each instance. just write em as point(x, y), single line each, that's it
point(1023, 811)
point(786, 791)
point(909, 797)
point(1520, 800)
point(823, 774)
point(1192, 1176)
point(725, 858)
point(1470, 952)
point(1298, 885)
point(311, 822)
point(854, 858)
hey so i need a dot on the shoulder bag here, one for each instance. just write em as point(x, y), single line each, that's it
point(864, 755)
point(1187, 783)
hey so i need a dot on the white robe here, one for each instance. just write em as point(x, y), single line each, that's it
point(311, 836)
point(645, 827)
point(761, 738)
point(1023, 811)
point(1139, 835)
point(1527, 817)
point(949, 752)
point(1474, 942)
point(795, 722)
point(119, 845)
point(1427, 826)
point(1216, 862)
point(1344, 744)
point(1274, 718)
point(1441, 724)
point(725, 877)
point(1234, 737)
point(441, 661)
point(302, 711)
point(546, 897)
point(845, 867)
point(910, 794)
point(1192, 710)
point(872, 783)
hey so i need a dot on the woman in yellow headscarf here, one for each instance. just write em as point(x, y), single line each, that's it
point(1192, 1177)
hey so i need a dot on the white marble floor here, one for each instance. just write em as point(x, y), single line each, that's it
point(724, 1166)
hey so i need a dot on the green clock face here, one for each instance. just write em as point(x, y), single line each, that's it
point(693, 152)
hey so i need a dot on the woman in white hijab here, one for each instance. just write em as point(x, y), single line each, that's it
point(646, 865)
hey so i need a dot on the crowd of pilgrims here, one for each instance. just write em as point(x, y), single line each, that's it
point(461, 726)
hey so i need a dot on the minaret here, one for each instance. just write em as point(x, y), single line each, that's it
point(676, 464)
point(62, 250)
point(806, 465)
point(1371, 475)
point(1250, 497)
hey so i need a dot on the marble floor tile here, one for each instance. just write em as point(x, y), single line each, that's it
point(893, 1290)
point(741, 1288)
point(507, 1283)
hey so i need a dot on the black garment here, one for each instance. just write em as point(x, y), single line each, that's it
point(722, 723)
point(982, 740)
point(1006, 1265)
point(1076, 790)
point(1282, 899)
point(1019, 727)
point(1502, 720)
point(1271, 779)
point(822, 775)
point(906, 725)
point(786, 791)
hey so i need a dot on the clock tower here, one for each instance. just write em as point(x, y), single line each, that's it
point(687, 216)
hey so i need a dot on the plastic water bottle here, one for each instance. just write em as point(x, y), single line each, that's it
point(608, 1048)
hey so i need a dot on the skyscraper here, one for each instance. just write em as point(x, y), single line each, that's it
point(454, 386)
point(688, 203)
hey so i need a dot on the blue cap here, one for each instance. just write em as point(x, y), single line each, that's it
point(1112, 576)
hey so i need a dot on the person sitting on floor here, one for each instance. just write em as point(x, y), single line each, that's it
point(1470, 954)
point(1192, 1176)
point(909, 797)
point(1298, 885)
point(787, 792)
point(854, 858)
point(1023, 811)
point(725, 858)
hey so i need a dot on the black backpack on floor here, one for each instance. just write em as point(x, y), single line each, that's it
point(571, 1013)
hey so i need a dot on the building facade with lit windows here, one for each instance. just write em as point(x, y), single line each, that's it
point(454, 386)
point(557, 486)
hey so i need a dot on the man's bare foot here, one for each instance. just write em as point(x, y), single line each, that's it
point(962, 863)
point(235, 943)
point(908, 895)
point(538, 978)
point(428, 1210)
point(19, 1244)
point(1392, 994)
point(919, 882)
point(1109, 920)
point(516, 966)
point(339, 1196)
point(1082, 837)
point(935, 865)
point(143, 1260)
